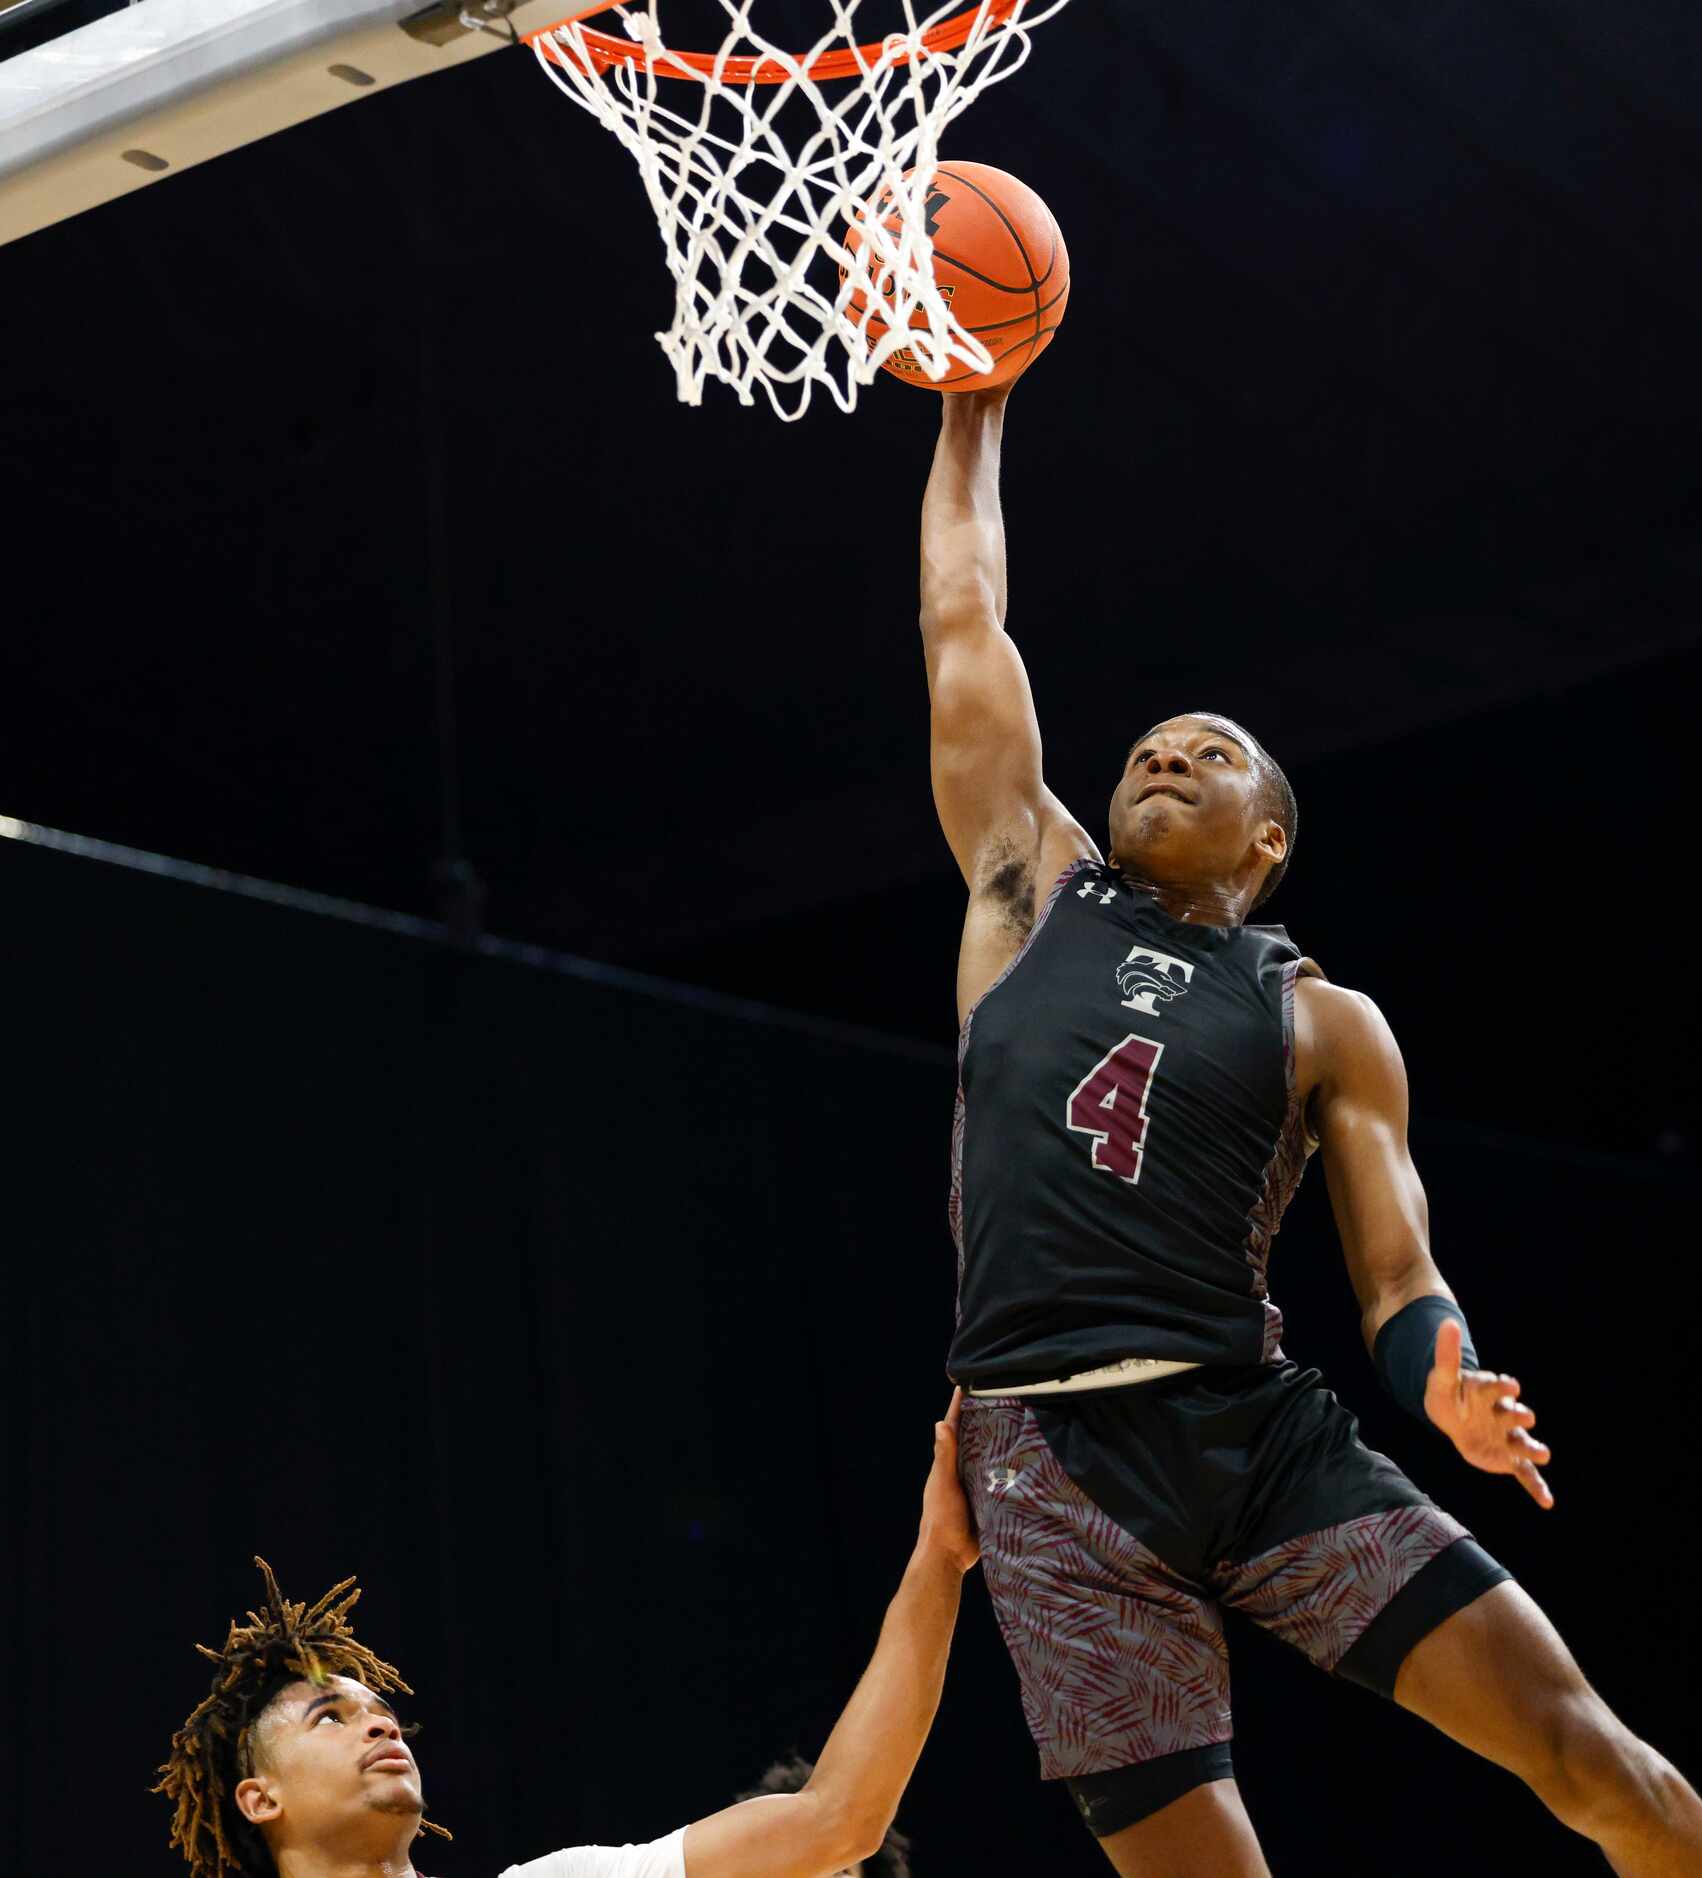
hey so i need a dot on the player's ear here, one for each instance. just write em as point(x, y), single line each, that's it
point(1271, 843)
point(256, 1801)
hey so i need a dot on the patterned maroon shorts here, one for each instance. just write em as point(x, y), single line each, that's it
point(1114, 1526)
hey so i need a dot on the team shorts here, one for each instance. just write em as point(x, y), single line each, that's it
point(1116, 1526)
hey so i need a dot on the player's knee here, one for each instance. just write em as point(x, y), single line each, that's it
point(1594, 1774)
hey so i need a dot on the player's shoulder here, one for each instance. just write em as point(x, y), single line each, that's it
point(1339, 1029)
point(1336, 1009)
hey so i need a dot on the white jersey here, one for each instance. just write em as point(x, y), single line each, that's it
point(663, 1858)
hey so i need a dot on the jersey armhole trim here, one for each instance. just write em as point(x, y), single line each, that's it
point(1292, 973)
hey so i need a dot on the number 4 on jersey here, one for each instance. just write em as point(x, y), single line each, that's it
point(1109, 1103)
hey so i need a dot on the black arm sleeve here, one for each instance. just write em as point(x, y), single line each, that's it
point(1405, 1350)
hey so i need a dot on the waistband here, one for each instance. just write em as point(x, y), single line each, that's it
point(1118, 1375)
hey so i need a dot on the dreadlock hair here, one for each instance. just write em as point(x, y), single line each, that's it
point(792, 1774)
point(1276, 797)
point(211, 1753)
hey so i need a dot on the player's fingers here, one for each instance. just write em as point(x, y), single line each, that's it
point(1510, 1411)
point(1534, 1484)
point(954, 1410)
point(1527, 1446)
point(1485, 1380)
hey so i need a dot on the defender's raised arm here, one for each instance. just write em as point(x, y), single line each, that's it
point(985, 740)
point(842, 1814)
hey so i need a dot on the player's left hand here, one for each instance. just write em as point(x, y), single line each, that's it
point(1479, 1411)
point(947, 1525)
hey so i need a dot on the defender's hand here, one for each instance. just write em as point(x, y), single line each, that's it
point(946, 1526)
point(1479, 1411)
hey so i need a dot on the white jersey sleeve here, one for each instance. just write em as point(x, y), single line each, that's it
point(663, 1858)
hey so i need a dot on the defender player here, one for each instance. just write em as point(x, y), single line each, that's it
point(295, 1762)
point(1142, 1078)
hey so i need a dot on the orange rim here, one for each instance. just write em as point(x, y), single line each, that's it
point(605, 51)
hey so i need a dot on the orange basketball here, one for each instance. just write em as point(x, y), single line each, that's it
point(1002, 266)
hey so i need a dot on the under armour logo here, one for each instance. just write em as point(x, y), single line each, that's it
point(999, 1478)
point(1092, 887)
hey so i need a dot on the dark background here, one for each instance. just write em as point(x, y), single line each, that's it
point(356, 542)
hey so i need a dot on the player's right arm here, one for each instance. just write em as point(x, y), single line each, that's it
point(1005, 828)
point(1355, 1085)
point(842, 1815)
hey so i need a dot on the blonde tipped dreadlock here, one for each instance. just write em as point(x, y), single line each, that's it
point(210, 1752)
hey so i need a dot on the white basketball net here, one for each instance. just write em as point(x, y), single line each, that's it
point(754, 233)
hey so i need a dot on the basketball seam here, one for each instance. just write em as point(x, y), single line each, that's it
point(994, 326)
point(1039, 332)
point(1021, 246)
point(1033, 339)
point(986, 280)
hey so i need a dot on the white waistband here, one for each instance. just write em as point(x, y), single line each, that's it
point(1107, 1376)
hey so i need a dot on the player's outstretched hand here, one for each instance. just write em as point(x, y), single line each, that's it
point(1479, 1411)
point(963, 407)
point(946, 1525)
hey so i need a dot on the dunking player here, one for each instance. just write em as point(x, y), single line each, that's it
point(1142, 1077)
point(296, 1763)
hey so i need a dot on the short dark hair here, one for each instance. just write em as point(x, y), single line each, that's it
point(1276, 797)
point(791, 1774)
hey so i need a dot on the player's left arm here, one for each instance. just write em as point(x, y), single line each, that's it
point(841, 1816)
point(1359, 1108)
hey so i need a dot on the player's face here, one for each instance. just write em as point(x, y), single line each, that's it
point(331, 1765)
point(1186, 806)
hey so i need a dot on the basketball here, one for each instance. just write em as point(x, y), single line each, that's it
point(1002, 266)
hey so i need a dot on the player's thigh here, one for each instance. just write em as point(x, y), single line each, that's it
point(1205, 1834)
point(1497, 1678)
point(1122, 1664)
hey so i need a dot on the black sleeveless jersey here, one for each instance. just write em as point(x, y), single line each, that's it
point(1127, 1137)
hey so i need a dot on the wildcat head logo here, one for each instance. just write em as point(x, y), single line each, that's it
point(1149, 980)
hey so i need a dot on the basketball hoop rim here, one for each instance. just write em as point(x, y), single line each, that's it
point(607, 51)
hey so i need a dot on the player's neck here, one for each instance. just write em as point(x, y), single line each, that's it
point(1198, 903)
point(318, 1862)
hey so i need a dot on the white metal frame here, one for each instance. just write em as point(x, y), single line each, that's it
point(161, 86)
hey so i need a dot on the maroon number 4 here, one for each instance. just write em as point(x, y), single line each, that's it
point(1109, 1103)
